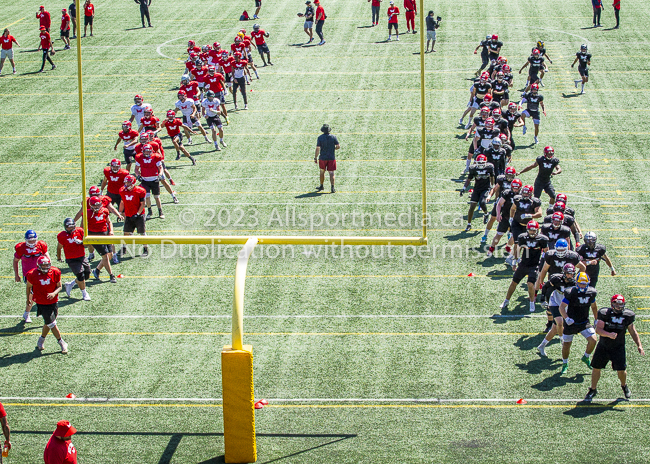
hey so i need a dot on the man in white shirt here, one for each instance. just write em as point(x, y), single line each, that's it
point(190, 115)
point(210, 109)
point(137, 110)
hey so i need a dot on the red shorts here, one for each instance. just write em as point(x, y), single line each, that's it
point(327, 165)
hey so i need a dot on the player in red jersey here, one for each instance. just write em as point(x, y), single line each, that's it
point(149, 138)
point(258, 35)
point(192, 47)
point(238, 71)
point(214, 54)
point(210, 108)
point(216, 82)
point(48, 48)
point(199, 72)
point(226, 62)
point(113, 180)
point(70, 240)
point(43, 287)
point(99, 223)
point(27, 253)
point(149, 121)
point(59, 448)
point(173, 126)
point(393, 13)
point(65, 28)
point(107, 201)
point(44, 18)
point(127, 135)
point(411, 7)
point(191, 88)
point(133, 202)
point(148, 168)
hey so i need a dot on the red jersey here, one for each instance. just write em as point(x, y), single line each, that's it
point(173, 127)
point(410, 5)
point(156, 143)
point(89, 9)
point(189, 65)
point(226, 64)
point(71, 249)
point(393, 11)
point(194, 49)
point(320, 13)
point(65, 22)
point(7, 42)
point(213, 56)
point(259, 36)
point(29, 255)
point(44, 18)
point(3, 413)
point(203, 56)
point(191, 89)
point(45, 40)
point(200, 73)
point(239, 68)
point(59, 451)
point(150, 123)
point(238, 47)
point(149, 167)
point(128, 137)
point(131, 199)
point(617, 4)
point(42, 284)
point(97, 220)
point(105, 199)
point(376, 2)
point(114, 180)
point(215, 83)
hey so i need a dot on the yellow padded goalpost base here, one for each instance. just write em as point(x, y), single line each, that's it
point(238, 405)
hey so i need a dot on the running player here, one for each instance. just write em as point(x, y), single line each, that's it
point(484, 136)
point(70, 240)
point(542, 52)
point(27, 253)
point(558, 283)
point(500, 89)
point(149, 122)
point(191, 88)
point(525, 208)
point(239, 82)
point(611, 325)
point(150, 138)
point(483, 45)
point(199, 72)
point(496, 156)
point(188, 108)
point(575, 311)
point(483, 172)
point(259, 34)
point(494, 47)
point(215, 82)
point(225, 63)
point(592, 253)
point(533, 101)
point(133, 202)
point(127, 136)
point(148, 168)
point(502, 183)
point(137, 110)
point(536, 63)
point(99, 223)
point(584, 58)
point(566, 210)
point(173, 126)
point(113, 179)
point(210, 110)
point(548, 166)
point(514, 120)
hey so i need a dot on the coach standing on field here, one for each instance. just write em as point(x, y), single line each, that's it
point(325, 156)
point(72, 9)
point(89, 16)
point(144, 10)
point(44, 18)
point(320, 21)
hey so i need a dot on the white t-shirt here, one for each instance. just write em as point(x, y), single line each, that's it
point(211, 107)
point(186, 107)
point(138, 112)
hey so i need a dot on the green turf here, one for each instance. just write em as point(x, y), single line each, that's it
point(368, 92)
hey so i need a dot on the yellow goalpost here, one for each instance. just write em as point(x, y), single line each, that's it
point(237, 358)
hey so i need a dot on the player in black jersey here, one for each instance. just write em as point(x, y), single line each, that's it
point(575, 228)
point(484, 54)
point(482, 87)
point(531, 244)
point(470, 109)
point(479, 121)
point(504, 183)
point(548, 167)
point(558, 283)
point(500, 88)
point(533, 101)
point(497, 157)
point(508, 77)
point(494, 47)
point(525, 207)
point(499, 122)
point(556, 230)
point(568, 221)
point(489, 103)
point(514, 120)
point(542, 52)
point(611, 325)
point(575, 310)
point(584, 58)
point(483, 172)
point(497, 67)
point(536, 64)
point(591, 254)
point(505, 144)
point(484, 136)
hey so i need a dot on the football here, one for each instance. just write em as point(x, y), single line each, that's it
point(52, 52)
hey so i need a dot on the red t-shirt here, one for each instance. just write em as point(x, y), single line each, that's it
point(59, 451)
point(617, 4)
point(189, 65)
point(173, 127)
point(149, 167)
point(394, 11)
point(45, 40)
point(156, 143)
point(203, 56)
point(376, 3)
point(238, 47)
point(226, 64)
point(191, 89)
point(115, 180)
point(320, 13)
point(89, 10)
point(98, 220)
point(44, 18)
point(259, 35)
point(105, 199)
point(200, 73)
point(194, 49)
point(71, 249)
point(214, 55)
point(132, 199)
point(3, 413)
point(149, 123)
point(29, 255)
point(7, 42)
point(128, 137)
point(65, 22)
point(42, 284)
point(215, 83)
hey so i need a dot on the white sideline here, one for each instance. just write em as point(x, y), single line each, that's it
point(303, 316)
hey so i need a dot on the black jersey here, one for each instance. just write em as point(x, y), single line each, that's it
point(616, 322)
point(554, 234)
point(508, 77)
point(493, 47)
point(579, 303)
point(583, 59)
point(533, 101)
point(531, 248)
point(542, 51)
point(508, 149)
point(501, 124)
point(535, 64)
point(560, 283)
point(481, 87)
point(483, 176)
point(568, 220)
point(556, 264)
point(567, 210)
point(525, 206)
point(484, 50)
point(588, 254)
point(485, 136)
point(497, 158)
point(512, 118)
point(503, 182)
point(507, 195)
point(546, 167)
point(490, 106)
point(499, 86)
point(479, 121)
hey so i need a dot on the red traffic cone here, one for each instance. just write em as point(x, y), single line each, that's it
point(471, 274)
point(471, 190)
point(522, 401)
point(71, 396)
point(120, 276)
point(264, 402)
point(259, 405)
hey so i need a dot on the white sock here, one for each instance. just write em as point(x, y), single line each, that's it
point(544, 343)
point(221, 139)
point(487, 231)
point(84, 292)
point(587, 355)
point(565, 361)
point(583, 86)
point(506, 301)
point(467, 161)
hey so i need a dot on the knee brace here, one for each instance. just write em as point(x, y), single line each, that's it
point(148, 195)
point(52, 324)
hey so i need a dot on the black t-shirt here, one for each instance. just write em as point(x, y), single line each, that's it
point(568, 220)
point(525, 206)
point(327, 144)
point(559, 283)
point(499, 86)
point(481, 88)
point(504, 184)
point(501, 124)
point(491, 106)
point(589, 254)
point(583, 59)
point(542, 51)
point(486, 135)
point(508, 77)
point(72, 9)
point(512, 118)
point(556, 264)
point(533, 101)
point(497, 158)
point(531, 248)
point(567, 210)
point(309, 13)
point(482, 176)
point(479, 121)
point(432, 24)
point(494, 47)
point(484, 50)
point(579, 303)
point(535, 64)
point(554, 234)
point(546, 167)
point(617, 322)
point(507, 195)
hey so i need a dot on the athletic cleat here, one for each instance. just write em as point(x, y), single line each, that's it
point(64, 346)
point(590, 395)
point(565, 367)
point(95, 273)
point(536, 142)
point(541, 351)
point(217, 147)
point(626, 392)
point(85, 296)
point(468, 228)
point(333, 190)
point(161, 215)
point(486, 218)
point(320, 188)
point(544, 304)
point(175, 199)
point(148, 216)
point(113, 280)
point(68, 288)
point(460, 122)
point(586, 360)
point(26, 317)
point(171, 181)
point(504, 305)
point(91, 256)
point(223, 144)
point(397, 38)
point(189, 141)
point(40, 343)
point(145, 252)
point(468, 125)
point(193, 161)
point(523, 131)
point(531, 307)
point(549, 325)
point(246, 106)
point(484, 238)
point(541, 83)
point(178, 155)
point(116, 259)
point(509, 260)
point(236, 108)
point(576, 83)
point(389, 39)
point(582, 92)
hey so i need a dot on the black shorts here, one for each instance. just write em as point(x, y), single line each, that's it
point(65, 33)
point(504, 225)
point(214, 121)
point(391, 26)
point(228, 76)
point(533, 77)
point(478, 195)
point(583, 71)
point(132, 223)
point(575, 328)
point(115, 198)
point(101, 249)
point(151, 186)
point(264, 48)
point(523, 271)
point(471, 147)
point(249, 57)
point(532, 114)
point(88, 20)
point(49, 312)
point(555, 311)
point(79, 265)
point(541, 186)
point(603, 355)
point(517, 229)
point(178, 138)
point(258, 3)
point(593, 277)
point(129, 156)
point(484, 58)
point(192, 121)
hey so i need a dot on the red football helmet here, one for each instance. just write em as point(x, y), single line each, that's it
point(126, 126)
point(618, 302)
point(504, 138)
point(193, 56)
point(144, 138)
point(95, 203)
point(534, 87)
point(237, 55)
point(510, 174)
point(495, 37)
point(557, 219)
point(191, 43)
point(489, 123)
point(129, 181)
point(500, 76)
point(485, 76)
point(147, 151)
point(527, 191)
point(171, 114)
point(559, 206)
point(182, 93)
point(535, 52)
point(532, 227)
point(512, 106)
point(148, 110)
point(481, 161)
point(115, 165)
point(549, 152)
point(506, 68)
point(216, 45)
point(44, 264)
point(151, 134)
point(487, 98)
point(212, 69)
point(137, 99)
point(485, 112)
point(515, 185)
point(496, 112)
point(561, 197)
point(94, 191)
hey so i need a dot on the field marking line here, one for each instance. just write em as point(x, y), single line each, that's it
point(15, 22)
point(301, 334)
point(304, 316)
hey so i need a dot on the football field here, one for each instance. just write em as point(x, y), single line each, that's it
point(366, 353)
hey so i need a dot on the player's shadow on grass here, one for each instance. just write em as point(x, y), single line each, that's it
point(364, 27)
point(135, 28)
point(587, 28)
point(570, 95)
point(558, 380)
point(539, 366)
point(461, 136)
point(583, 409)
point(530, 342)
point(312, 194)
point(500, 274)
point(19, 328)
point(23, 358)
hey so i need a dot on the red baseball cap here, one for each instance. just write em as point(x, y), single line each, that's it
point(42, 28)
point(64, 429)
point(41, 7)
